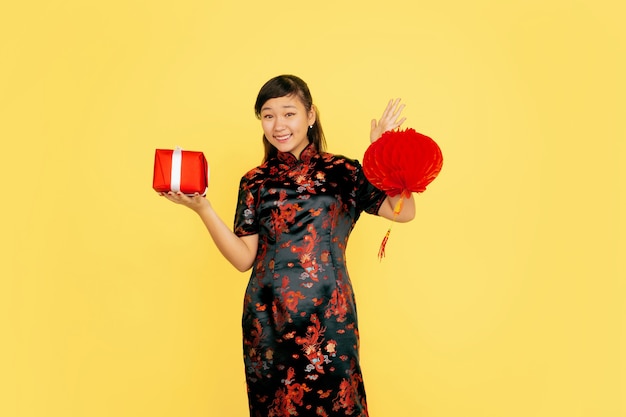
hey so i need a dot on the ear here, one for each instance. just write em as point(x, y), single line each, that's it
point(312, 116)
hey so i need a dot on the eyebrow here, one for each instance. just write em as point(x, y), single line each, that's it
point(287, 106)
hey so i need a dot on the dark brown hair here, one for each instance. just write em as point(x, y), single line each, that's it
point(288, 85)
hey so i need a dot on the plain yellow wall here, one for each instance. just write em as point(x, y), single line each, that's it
point(504, 298)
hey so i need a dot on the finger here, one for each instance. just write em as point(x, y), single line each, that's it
point(182, 197)
point(393, 110)
point(387, 110)
point(397, 107)
point(167, 196)
point(175, 195)
point(398, 112)
point(400, 108)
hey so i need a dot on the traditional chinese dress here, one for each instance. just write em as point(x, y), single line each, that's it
point(300, 332)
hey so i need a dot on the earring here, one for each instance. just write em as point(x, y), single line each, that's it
point(310, 126)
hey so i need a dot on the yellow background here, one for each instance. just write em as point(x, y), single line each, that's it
point(504, 298)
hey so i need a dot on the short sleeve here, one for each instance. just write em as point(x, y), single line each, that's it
point(246, 220)
point(369, 198)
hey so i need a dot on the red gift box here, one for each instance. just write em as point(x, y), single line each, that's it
point(178, 170)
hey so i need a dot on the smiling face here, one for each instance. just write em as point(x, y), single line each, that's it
point(285, 122)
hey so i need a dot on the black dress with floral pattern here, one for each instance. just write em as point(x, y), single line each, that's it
point(300, 332)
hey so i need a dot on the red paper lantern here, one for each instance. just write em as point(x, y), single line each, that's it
point(401, 162)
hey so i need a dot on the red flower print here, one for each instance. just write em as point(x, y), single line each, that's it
point(292, 298)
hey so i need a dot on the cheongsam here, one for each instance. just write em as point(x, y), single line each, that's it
point(300, 330)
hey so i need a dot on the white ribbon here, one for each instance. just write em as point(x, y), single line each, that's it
point(177, 165)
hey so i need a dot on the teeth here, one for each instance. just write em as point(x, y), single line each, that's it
point(282, 137)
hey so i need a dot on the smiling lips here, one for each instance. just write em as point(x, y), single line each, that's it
point(282, 138)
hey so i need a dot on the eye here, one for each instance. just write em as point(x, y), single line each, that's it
point(290, 114)
point(267, 116)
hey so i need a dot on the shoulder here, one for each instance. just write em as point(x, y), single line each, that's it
point(340, 162)
point(338, 159)
point(260, 171)
point(254, 177)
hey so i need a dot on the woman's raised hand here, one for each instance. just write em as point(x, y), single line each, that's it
point(388, 121)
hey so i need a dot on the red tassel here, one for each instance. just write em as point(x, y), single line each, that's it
point(396, 210)
point(381, 251)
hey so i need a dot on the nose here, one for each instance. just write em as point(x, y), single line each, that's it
point(279, 124)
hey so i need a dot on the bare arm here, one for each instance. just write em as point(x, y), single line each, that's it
point(239, 251)
point(406, 214)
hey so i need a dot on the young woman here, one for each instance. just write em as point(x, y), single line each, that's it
point(294, 215)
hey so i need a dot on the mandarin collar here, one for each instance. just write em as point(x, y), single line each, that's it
point(305, 156)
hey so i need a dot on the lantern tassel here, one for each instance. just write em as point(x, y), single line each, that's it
point(396, 210)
